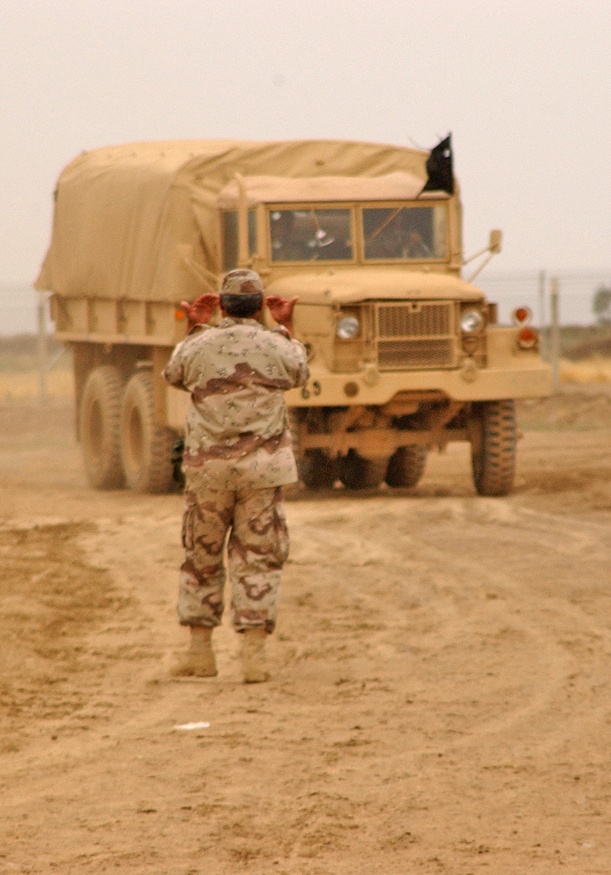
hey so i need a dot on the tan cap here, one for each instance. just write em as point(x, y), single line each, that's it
point(242, 282)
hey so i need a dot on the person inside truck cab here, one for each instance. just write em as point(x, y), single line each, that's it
point(415, 247)
point(394, 235)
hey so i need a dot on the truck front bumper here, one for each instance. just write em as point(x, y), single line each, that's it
point(532, 379)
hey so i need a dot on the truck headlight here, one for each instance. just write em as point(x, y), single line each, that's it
point(348, 327)
point(471, 321)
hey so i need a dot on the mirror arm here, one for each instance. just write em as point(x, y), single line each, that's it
point(482, 265)
point(477, 255)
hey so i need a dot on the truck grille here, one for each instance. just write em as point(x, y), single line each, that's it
point(416, 335)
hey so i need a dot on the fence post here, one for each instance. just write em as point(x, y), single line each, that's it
point(542, 314)
point(554, 307)
point(43, 366)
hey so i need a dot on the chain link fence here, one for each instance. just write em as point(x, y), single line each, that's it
point(19, 301)
point(576, 291)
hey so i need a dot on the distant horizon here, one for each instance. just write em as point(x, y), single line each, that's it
point(517, 272)
point(509, 289)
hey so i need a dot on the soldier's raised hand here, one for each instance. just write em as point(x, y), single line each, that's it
point(281, 309)
point(201, 309)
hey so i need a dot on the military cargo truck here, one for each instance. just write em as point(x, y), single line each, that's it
point(405, 355)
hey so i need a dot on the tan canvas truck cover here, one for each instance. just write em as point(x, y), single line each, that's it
point(125, 215)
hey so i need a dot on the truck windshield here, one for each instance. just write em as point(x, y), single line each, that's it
point(400, 233)
point(387, 233)
point(320, 234)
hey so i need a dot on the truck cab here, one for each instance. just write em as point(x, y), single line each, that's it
point(404, 354)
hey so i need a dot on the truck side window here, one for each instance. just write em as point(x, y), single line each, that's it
point(230, 237)
point(230, 240)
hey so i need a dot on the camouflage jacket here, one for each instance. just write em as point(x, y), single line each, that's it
point(236, 431)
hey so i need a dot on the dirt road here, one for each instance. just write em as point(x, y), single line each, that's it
point(440, 700)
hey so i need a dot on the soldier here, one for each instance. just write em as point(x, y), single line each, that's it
point(236, 459)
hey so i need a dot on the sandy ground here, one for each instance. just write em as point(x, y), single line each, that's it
point(440, 697)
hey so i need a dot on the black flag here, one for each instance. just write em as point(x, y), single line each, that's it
point(439, 168)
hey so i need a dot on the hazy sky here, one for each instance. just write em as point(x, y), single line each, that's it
point(524, 86)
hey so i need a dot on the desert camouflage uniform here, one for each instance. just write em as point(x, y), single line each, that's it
point(237, 456)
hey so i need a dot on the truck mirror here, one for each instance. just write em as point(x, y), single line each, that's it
point(496, 238)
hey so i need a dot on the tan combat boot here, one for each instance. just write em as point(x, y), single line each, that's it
point(254, 663)
point(199, 659)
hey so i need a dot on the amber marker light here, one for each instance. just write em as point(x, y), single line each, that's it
point(470, 343)
point(179, 314)
point(522, 315)
point(528, 338)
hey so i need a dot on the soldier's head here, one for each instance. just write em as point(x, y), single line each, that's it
point(241, 293)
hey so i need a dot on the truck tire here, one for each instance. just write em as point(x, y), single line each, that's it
point(146, 447)
point(406, 466)
point(315, 468)
point(99, 427)
point(493, 446)
point(356, 472)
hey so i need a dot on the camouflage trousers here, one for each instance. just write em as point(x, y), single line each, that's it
point(241, 534)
